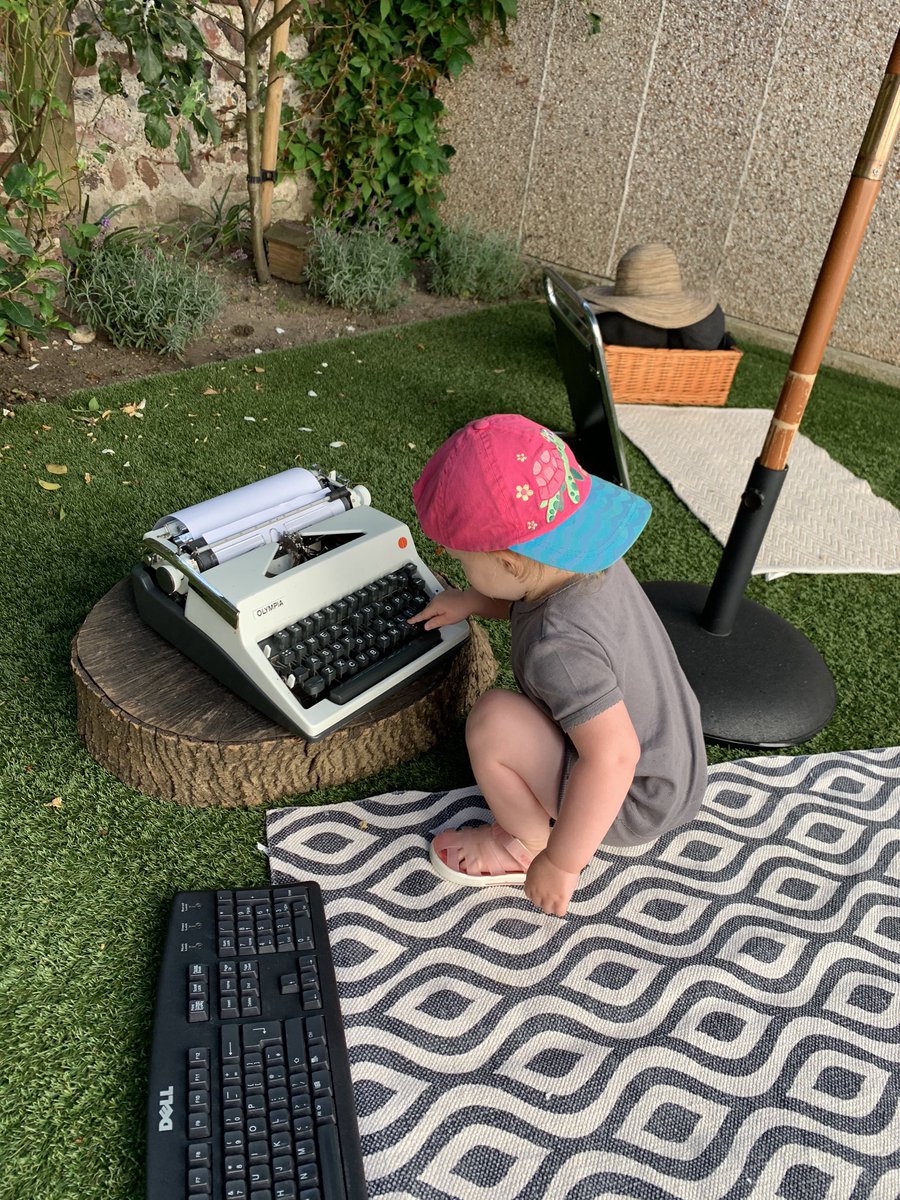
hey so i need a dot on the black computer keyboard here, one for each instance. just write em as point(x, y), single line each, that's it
point(250, 1095)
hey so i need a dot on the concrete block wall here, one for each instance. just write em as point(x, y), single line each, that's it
point(727, 129)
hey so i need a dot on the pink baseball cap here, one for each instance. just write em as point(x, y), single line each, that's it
point(504, 482)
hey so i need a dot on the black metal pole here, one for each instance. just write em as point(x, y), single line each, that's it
point(746, 536)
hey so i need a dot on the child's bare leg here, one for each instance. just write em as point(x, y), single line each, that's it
point(517, 757)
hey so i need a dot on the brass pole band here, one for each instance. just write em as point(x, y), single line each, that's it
point(786, 420)
point(881, 132)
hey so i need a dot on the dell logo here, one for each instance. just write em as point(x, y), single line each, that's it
point(166, 1107)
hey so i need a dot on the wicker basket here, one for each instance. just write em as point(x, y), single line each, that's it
point(639, 376)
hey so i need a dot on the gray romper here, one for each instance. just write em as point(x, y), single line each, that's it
point(592, 643)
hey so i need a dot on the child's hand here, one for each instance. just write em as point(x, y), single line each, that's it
point(446, 608)
point(550, 887)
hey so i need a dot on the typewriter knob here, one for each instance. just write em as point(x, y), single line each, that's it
point(170, 580)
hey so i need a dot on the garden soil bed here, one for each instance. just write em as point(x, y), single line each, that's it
point(253, 318)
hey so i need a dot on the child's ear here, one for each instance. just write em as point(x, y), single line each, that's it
point(509, 562)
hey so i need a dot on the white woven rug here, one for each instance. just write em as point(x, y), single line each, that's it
point(717, 1018)
point(826, 520)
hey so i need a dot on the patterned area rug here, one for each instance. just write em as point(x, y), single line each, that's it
point(718, 1017)
point(826, 521)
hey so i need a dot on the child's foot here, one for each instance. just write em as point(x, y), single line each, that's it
point(480, 857)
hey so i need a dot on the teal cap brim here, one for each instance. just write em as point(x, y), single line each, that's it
point(596, 535)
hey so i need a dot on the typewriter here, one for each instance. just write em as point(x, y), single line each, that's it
point(295, 593)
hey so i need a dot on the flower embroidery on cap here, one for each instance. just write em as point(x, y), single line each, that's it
point(554, 477)
point(520, 457)
point(531, 525)
point(523, 491)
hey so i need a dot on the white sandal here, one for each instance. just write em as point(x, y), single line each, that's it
point(481, 845)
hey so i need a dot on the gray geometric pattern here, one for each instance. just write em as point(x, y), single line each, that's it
point(718, 1016)
point(827, 519)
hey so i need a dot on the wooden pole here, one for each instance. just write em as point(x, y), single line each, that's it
point(859, 200)
point(272, 119)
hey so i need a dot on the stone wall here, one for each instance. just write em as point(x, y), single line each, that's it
point(149, 180)
point(728, 129)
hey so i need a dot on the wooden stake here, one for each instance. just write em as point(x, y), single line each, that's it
point(840, 257)
point(272, 119)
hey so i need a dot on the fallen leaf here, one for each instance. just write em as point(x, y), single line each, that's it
point(313, 394)
point(210, 392)
point(56, 469)
point(334, 445)
point(260, 370)
point(107, 451)
point(56, 802)
point(133, 410)
point(499, 370)
point(47, 428)
point(49, 487)
point(88, 478)
point(249, 418)
point(411, 445)
point(420, 346)
point(8, 412)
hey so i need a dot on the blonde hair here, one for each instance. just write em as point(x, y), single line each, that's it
point(528, 570)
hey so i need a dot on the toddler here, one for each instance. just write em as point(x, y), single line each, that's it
point(603, 741)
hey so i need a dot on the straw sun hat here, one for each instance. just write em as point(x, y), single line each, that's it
point(648, 288)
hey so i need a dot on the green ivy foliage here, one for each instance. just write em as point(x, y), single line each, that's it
point(170, 52)
point(369, 132)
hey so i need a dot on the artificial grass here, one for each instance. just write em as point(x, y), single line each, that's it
point(89, 865)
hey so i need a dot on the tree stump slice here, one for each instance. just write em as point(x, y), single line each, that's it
point(165, 727)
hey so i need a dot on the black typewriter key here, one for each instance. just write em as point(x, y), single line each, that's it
point(313, 687)
point(282, 639)
point(329, 674)
point(313, 663)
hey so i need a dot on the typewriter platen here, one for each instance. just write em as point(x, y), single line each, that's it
point(295, 593)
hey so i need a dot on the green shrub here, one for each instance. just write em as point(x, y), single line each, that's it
point(363, 268)
point(143, 297)
point(475, 265)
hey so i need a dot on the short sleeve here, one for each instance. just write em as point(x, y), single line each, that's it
point(572, 677)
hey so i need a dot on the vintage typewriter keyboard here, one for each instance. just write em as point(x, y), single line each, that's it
point(353, 643)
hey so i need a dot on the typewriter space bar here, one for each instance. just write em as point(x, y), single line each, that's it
point(349, 689)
